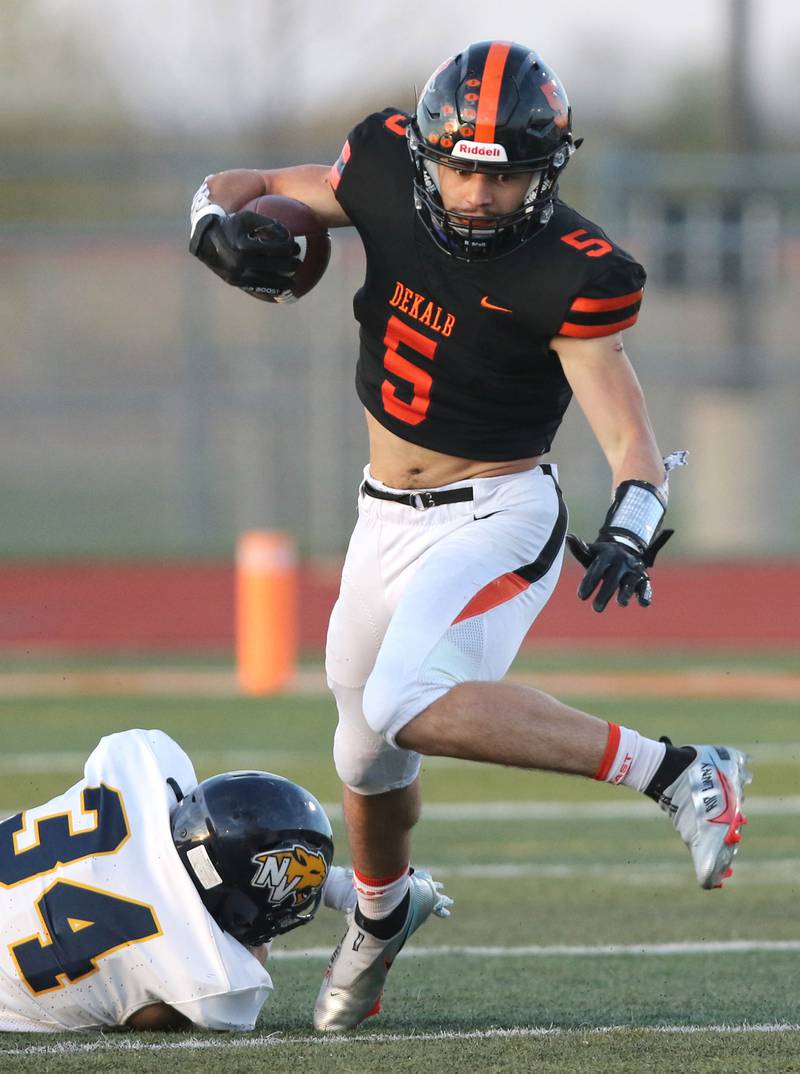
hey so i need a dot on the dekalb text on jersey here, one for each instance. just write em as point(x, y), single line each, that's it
point(422, 309)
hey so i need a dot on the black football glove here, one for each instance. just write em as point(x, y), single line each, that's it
point(615, 568)
point(626, 545)
point(247, 250)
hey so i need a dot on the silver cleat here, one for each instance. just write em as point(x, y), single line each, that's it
point(353, 983)
point(705, 803)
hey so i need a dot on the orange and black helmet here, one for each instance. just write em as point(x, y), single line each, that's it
point(495, 107)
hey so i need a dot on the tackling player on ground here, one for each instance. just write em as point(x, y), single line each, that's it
point(488, 303)
point(141, 898)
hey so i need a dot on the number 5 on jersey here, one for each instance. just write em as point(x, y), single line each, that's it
point(591, 246)
point(414, 411)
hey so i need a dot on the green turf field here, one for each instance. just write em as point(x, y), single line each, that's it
point(547, 872)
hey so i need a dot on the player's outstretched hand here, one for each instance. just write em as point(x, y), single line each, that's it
point(443, 904)
point(613, 567)
point(247, 250)
point(339, 893)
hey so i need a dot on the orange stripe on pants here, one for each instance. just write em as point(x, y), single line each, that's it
point(498, 591)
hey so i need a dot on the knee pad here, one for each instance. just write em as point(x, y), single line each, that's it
point(364, 761)
point(390, 702)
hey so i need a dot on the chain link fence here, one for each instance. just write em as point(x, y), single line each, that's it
point(149, 410)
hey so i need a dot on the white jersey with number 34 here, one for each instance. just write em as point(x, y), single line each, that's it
point(98, 916)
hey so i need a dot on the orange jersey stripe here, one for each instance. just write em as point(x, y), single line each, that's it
point(498, 591)
point(590, 331)
point(601, 305)
point(490, 91)
point(610, 752)
point(335, 174)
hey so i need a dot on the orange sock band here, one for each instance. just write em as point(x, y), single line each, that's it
point(610, 752)
point(378, 881)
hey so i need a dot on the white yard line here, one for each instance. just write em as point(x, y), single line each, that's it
point(223, 760)
point(643, 950)
point(636, 809)
point(72, 761)
point(762, 871)
point(127, 1043)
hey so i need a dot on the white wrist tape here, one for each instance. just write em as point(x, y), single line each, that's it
point(202, 205)
point(639, 511)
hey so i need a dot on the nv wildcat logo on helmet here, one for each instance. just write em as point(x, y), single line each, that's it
point(294, 870)
point(236, 821)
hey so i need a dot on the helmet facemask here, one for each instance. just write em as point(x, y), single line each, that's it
point(252, 924)
point(484, 238)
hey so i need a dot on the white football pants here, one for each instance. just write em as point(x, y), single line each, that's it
point(432, 597)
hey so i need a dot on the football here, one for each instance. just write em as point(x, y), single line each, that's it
point(309, 233)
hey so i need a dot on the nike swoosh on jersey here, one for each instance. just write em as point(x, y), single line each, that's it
point(487, 305)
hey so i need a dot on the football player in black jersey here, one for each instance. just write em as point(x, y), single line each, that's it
point(487, 304)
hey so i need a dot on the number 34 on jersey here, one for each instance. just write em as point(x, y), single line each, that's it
point(79, 923)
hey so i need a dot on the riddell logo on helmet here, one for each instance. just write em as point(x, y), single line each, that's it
point(480, 150)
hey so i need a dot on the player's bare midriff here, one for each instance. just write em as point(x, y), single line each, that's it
point(402, 465)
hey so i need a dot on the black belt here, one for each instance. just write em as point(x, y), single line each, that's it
point(421, 500)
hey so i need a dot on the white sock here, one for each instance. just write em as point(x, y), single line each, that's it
point(378, 896)
point(630, 758)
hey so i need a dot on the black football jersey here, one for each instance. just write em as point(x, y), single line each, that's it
point(455, 356)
